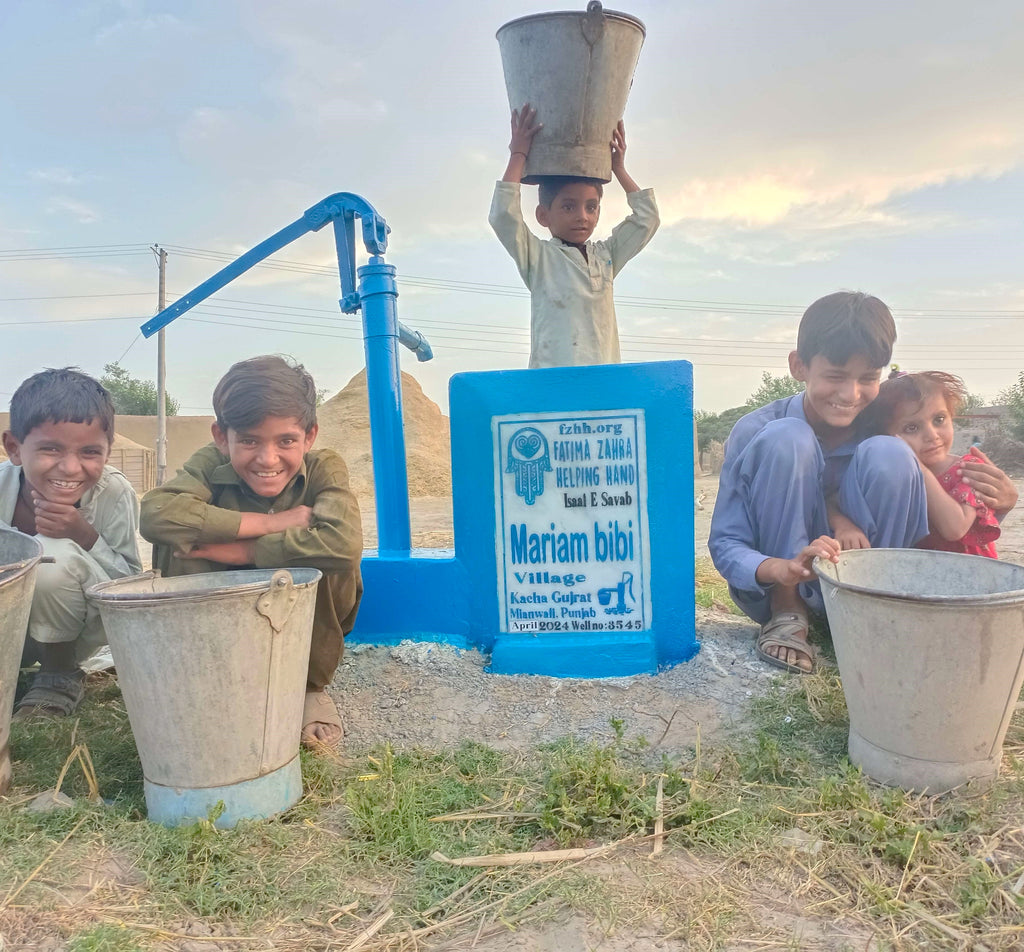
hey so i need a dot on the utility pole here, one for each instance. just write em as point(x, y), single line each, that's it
point(161, 372)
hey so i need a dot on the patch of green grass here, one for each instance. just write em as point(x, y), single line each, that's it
point(362, 836)
point(976, 890)
point(41, 745)
point(801, 730)
point(390, 811)
point(104, 938)
point(712, 591)
point(593, 791)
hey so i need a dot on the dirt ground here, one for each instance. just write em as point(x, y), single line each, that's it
point(428, 695)
point(434, 695)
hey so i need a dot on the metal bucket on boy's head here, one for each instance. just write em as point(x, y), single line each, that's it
point(576, 70)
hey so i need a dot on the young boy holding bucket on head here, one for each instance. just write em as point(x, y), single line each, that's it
point(58, 487)
point(799, 480)
point(572, 312)
point(260, 496)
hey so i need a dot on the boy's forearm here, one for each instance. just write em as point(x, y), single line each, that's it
point(85, 535)
point(180, 520)
point(334, 543)
point(242, 552)
point(253, 525)
point(514, 169)
point(625, 180)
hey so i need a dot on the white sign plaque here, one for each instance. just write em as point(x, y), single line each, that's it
point(572, 533)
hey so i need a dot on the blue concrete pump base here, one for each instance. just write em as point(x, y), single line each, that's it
point(255, 799)
point(566, 401)
point(575, 656)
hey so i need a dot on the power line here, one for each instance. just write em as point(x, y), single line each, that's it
point(128, 348)
point(71, 297)
point(448, 331)
point(458, 285)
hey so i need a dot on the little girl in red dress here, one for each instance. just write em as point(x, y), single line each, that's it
point(919, 409)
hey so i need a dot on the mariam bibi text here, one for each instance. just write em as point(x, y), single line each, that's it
point(612, 544)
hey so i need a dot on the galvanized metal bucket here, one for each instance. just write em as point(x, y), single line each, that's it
point(19, 556)
point(930, 647)
point(576, 70)
point(213, 671)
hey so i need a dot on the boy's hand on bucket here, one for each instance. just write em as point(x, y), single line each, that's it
point(791, 572)
point(618, 148)
point(524, 128)
point(824, 547)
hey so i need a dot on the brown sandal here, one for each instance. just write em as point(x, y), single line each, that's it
point(782, 631)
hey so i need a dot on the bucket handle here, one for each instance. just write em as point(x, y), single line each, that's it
point(592, 23)
point(277, 602)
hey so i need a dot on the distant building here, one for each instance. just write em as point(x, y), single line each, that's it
point(975, 425)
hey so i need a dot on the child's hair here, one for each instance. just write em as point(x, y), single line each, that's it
point(842, 325)
point(259, 387)
point(903, 388)
point(551, 185)
point(64, 395)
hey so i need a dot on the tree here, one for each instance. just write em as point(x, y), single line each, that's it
point(1013, 398)
point(773, 388)
point(972, 401)
point(133, 396)
point(717, 426)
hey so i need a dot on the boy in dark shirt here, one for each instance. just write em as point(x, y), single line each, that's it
point(260, 496)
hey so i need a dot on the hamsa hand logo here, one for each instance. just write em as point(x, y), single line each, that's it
point(529, 459)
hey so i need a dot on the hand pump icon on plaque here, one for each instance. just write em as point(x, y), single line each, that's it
point(604, 596)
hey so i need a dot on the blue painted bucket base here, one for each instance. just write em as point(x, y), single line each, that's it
point(246, 800)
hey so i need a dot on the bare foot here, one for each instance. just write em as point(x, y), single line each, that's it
point(321, 724)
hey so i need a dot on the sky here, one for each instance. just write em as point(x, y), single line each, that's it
point(795, 149)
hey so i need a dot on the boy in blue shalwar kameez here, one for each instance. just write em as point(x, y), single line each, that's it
point(799, 481)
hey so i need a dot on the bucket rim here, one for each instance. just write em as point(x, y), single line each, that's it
point(103, 593)
point(997, 598)
point(24, 566)
point(554, 14)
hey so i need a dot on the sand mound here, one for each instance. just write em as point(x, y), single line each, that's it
point(345, 427)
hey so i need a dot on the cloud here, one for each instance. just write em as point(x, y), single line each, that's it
point(56, 176)
point(82, 213)
point(129, 28)
point(780, 109)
